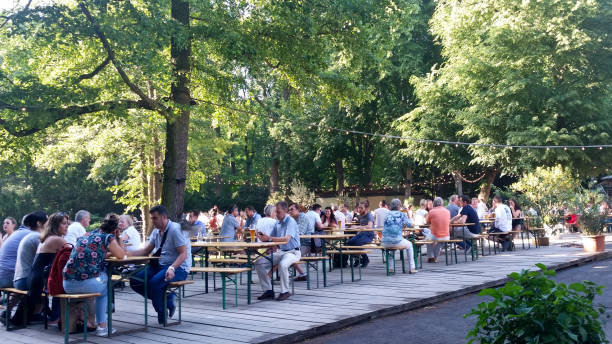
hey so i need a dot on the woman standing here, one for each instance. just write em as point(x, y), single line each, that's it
point(85, 269)
point(8, 227)
point(51, 241)
point(393, 228)
point(328, 219)
point(129, 234)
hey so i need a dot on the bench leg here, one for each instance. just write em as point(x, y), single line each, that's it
point(66, 322)
point(401, 254)
point(445, 252)
point(223, 287)
point(454, 247)
point(308, 275)
point(386, 255)
point(85, 320)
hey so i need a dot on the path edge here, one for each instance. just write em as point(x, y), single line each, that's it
point(417, 304)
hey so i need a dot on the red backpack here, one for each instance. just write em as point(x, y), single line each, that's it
point(55, 283)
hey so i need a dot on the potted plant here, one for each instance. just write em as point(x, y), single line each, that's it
point(590, 221)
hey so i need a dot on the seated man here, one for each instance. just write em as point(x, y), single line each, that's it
point(438, 220)
point(467, 215)
point(366, 221)
point(285, 231)
point(169, 244)
point(503, 223)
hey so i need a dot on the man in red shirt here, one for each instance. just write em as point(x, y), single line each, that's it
point(438, 220)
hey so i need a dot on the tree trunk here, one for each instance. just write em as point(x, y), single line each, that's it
point(248, 156)
point(145, 190)
point(218, 180)
point(458, 182)
point(339, 176)
point(177, 128)
point(485, 188)
point(408, 182)
point(274, 187)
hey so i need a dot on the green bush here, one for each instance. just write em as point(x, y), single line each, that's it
point(532, 308)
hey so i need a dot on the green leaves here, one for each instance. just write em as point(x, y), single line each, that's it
point(531, 308)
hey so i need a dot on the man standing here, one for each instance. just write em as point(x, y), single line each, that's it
point(285, 231)
point(380, 214)
point(168, 243)
point(252, 217)
point(77, 228)
point(503, 222)
point(453, 206)
point(366, 221)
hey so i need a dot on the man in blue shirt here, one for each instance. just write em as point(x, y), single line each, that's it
point(169, 244)
point(467, 215)
point(252, 217)
point(285, 231)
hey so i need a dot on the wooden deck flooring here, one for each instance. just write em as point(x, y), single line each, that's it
point(315, 311)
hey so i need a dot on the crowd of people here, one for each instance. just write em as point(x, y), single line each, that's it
point(29, 250)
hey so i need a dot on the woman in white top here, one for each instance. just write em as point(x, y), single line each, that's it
point(266, 224)
point(129, 234)
point(419, 215)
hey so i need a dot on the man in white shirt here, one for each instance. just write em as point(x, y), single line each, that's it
point(380, 214)
point(314, 219)
point(340, 218)
point(77, 228)
point(347, 214)
point(503, 222)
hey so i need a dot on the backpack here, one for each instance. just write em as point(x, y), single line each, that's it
point(55, 282)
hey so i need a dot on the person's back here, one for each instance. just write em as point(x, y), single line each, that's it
point(439, 220)
point(75, 231)
point(8, 256)
point(392, 229)
point(503, 217)
point(471, 217)
point(453, 209)
point(25, 258)
point(380, 215)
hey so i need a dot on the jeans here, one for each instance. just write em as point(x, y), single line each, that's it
point(363, 238)
point(284, 260)
point(92, 285)
point(22, 284)
point(433, 250)
point(506, 240)
point(6, 282)
point(409, 251)
point(156, 286)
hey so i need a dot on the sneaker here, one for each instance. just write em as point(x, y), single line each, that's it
point(300, 278)
point(431, 260)
point(103, 331)
point(365, 264)
point(413, 271)
point(356, 263)
point(269, 294)
point(283, 296)
point(171, 311)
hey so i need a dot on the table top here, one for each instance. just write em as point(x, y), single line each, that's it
point(214, 237)
point(361, 230)
point(238, 244)
point(462, 224)
point(325, 236)
point(130, 260)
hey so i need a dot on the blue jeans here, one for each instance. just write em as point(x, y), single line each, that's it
point(22, 284)
point(156, 285)
point(362, 238)
point(92, 285)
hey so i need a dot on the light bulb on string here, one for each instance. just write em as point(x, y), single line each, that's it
point(582, 148)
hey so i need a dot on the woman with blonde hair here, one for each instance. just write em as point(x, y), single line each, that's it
point(129, 234)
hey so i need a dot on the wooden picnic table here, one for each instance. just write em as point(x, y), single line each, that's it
point(249, 247)
point(117, 266)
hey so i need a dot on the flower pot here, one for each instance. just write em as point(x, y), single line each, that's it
point(594, 243)
point(541, 241)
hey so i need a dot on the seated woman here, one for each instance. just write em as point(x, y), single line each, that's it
point(392, 231)
point(517, 216)
point(232, 224)
point(51, 241)
point(328, 219)
point(85, 269)
point(129, 234)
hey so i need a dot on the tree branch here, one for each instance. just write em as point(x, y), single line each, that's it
point(95, 71)
point(7, 18)
point(111, 55)
point(55, 114)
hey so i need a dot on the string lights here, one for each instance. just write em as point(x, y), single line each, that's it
point(456, 143)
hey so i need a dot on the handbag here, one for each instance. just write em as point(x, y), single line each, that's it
point(154, 263)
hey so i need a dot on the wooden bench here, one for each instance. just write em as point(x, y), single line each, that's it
point(7, 305)
point(310, 261)
point(418, 249)
point(351, 253)
point(390, 251)
point(453, 246)
point(177, 288)
point(226, 274)
point(67, 298)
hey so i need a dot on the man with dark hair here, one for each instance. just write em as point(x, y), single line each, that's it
point(466, 215)
point(192, 218)
point(252, 217)
point(366, 221)
point(8, 251)
point(169, 244)
point(285, 231)
point(232, 223)
point(503, 223)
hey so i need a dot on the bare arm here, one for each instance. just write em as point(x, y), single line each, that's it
point(116, 250)
point(143, 251)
